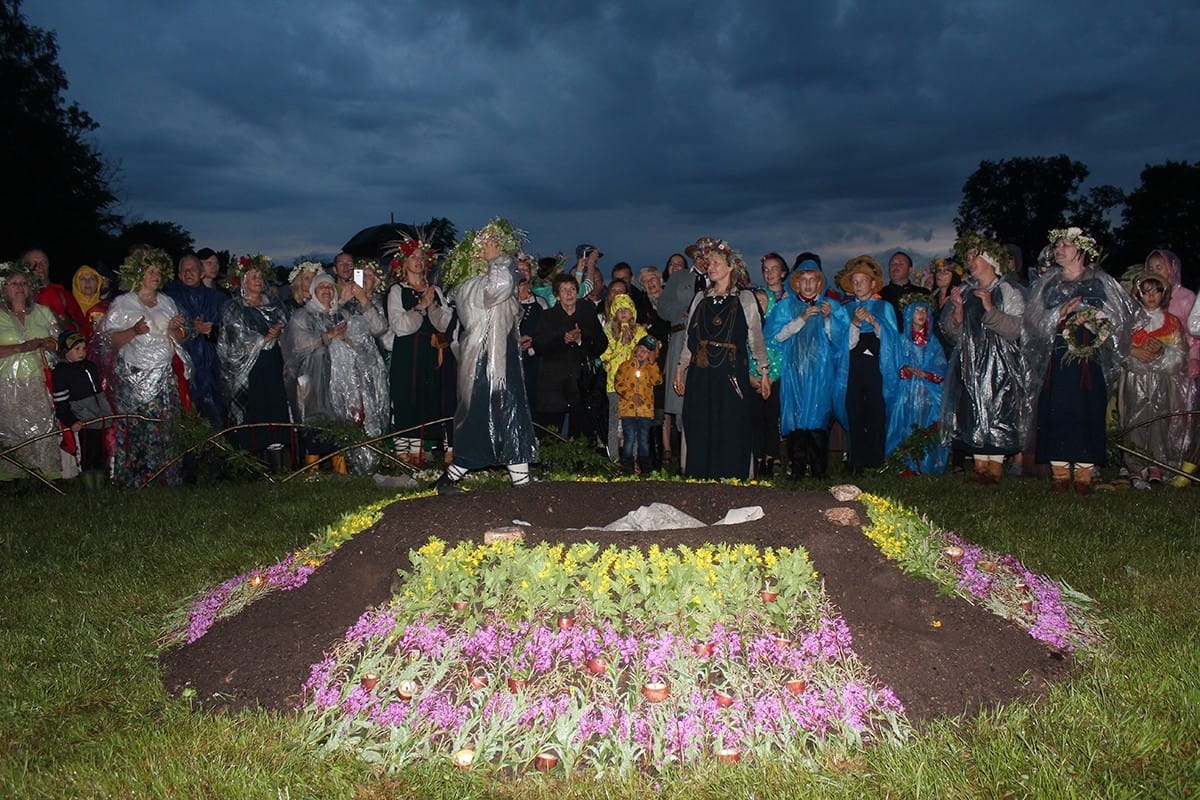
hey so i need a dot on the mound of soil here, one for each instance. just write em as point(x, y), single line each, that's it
point(261, 657)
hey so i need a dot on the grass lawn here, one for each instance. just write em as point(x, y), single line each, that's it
point(88, 578)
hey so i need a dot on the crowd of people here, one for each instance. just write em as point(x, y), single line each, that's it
point(697, 367)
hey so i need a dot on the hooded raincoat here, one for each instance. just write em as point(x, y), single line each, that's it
point(1152, 395)
point(337, 378)
point(252, 371)
point(985, 406)
point(919, 400)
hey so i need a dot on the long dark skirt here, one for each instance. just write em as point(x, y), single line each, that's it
point(1071, 411)
point(718, 424)
point(264, 401)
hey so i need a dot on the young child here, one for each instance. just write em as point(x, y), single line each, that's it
point(79, 401)
point(635, 380)
point(623, 333)
point(1153, 383)
point(919, 400)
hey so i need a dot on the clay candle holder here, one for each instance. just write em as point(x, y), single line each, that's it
point(655, 692)
point(544, 762)
point(729, 755)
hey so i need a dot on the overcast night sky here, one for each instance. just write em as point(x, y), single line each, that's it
point(843, 127)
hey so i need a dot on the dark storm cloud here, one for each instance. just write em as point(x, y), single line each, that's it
point(841, 125)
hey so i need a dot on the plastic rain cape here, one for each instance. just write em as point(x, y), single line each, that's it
point(342, 380)
point(240, 342)
point(25, 407)
point(919, 401)
point(492, 424)
point(986, 405)
point(809, 396)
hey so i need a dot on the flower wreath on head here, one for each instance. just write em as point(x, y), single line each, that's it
point(408, 246)
point(372, 266)
point(239, 266)
point(1085, 332)
point(707, 244)
point(7, 268)
point(946, 263)
point(1077, 237)
point(972, 243)
point(303, 267)
point(466, 259)
point(133, 269)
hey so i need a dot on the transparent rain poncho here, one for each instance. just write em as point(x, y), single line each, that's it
point(25, 407)
point(339, 380)
point(985, 403)
point(1152, 395)
point(492, 424)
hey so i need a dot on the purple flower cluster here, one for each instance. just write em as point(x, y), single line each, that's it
point(286, 575)
point(1051, 618)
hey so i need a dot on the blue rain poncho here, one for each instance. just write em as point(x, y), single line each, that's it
point(919, 398)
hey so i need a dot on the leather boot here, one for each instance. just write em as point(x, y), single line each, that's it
point(311, 458)
point(981, 474)
point(339, 465)
point(1083, 480)
point(995, 470)
point(1060, 478)
point(446, 486)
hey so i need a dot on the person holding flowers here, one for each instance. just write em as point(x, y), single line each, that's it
point(492, 424)
point(251, 361)
point(984, 405)
point(145, 330)
point(1077, 324)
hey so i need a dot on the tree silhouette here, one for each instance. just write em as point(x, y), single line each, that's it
point(168, 236)
point(58, 184)
point(1018, 200)
point(1164, 211)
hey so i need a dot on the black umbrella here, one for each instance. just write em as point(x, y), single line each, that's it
point(373, 242)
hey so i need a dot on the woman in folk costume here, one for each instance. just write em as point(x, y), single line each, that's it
point(713, 372)
point(984, 405)
point(1077, 330)
point(808, 330)
point(867, 370)
point(492, 423)
point(919, 399)
point(418, 315)
point(339, 373)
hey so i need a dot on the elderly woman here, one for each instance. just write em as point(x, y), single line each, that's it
point(300, 285)
point(339, 373)
point(492, 425)
point(86, 287)
point(713, 372)
point(251, 361)
point(1077, 325)
point(144, 328)
point(28, 334)
point(568, 337)
point(418, 315)
point(984, 407)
